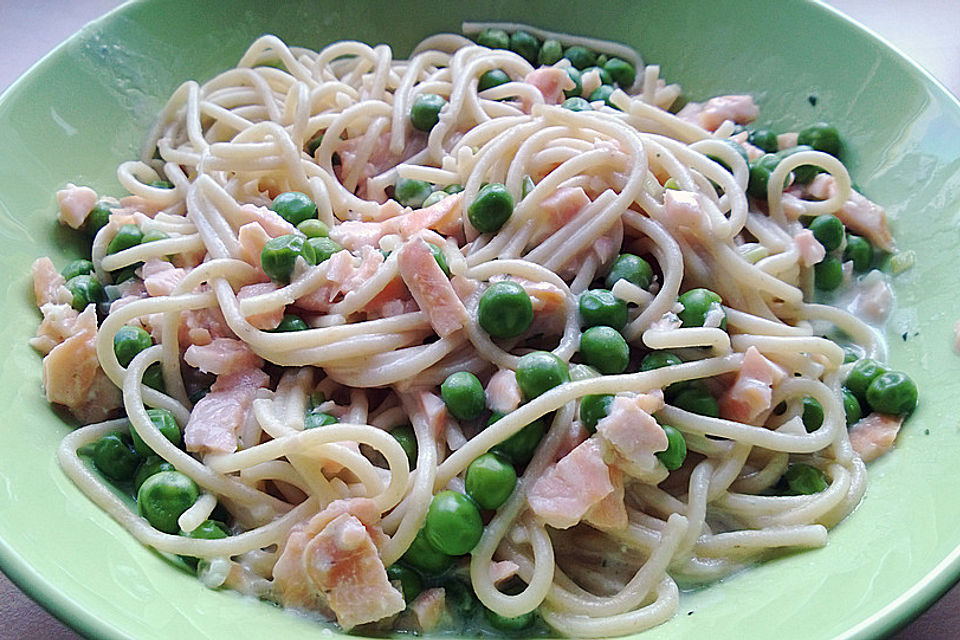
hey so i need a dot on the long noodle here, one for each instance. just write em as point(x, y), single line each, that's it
point(335, 125)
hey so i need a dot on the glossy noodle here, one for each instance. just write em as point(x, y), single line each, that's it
point(315, 365)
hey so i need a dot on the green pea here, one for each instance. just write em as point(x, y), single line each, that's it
point(279, 256)
point(540, 371)
point(580, 57)
point(516, 623)
point(740, 151)
point(892, 392)
point(697, 399)
point(492, 78)
point(603, 92)
point(291, 323)
point(550, 52)
point(411, 193)
point(77, 268)
point(97, 219)
point(631, 268)
point(85, 290)
point(153, 236)
point(861, 375)
point(520, 447)
point(576, 103)
point(126, 273)
point(764, 139)
point(822, 137)
point(804, 479)
point(505, 310)
point(453, 525)
point(150, 466)
point(593, 409)
point(323, 248)
point(434, 198)
point(760, 170)
point(583, 372)
point(408, 442)
point(600, 307)
point(812, 414)
point(128, 342)
point(492, 207)
point(604, 349)
point(425, 112)
point(411, 585)
point(805, 172)
point(314, 419)
point(490, 481)
point(313, 228)
point(696, 305)
point(128, 235)
point(605, 77)
point(659, 359)
point(860, 251)
point(621, 72)
point(294, 207)
point(828, 230)
point(698, 387)
point(676, 451)
point(828, 273)
point(577, 83)
point(851, 407)
point(207, 530)
point(453, 188)
point(525, 45)
point(463, 395)
point(494, 39)
point(162, 420)
point(424, 557)
point(153, 377)
point(164, 496)
point(115, 457)
point(852, 353)
point(440, 258)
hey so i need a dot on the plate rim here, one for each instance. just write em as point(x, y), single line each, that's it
point(885, 622)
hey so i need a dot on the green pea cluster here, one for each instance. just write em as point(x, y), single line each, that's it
point(869, 386)
point(454, 521)
point(874, 386)
point(817, 137)
point(841, 246)
point(162, 493)
point(613, 72)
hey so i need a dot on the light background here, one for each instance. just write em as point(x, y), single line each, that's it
point(925, 30)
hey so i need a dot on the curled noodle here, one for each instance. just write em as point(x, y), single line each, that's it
point(232, 144)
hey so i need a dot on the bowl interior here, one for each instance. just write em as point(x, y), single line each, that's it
point(84, 109)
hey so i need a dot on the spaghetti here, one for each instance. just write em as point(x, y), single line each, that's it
point(352, 386)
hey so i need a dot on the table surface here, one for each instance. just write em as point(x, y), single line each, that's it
point(28, 30)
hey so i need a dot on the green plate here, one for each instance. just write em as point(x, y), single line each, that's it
point(84, 108)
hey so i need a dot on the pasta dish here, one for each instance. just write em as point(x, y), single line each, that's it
point(504, 334)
